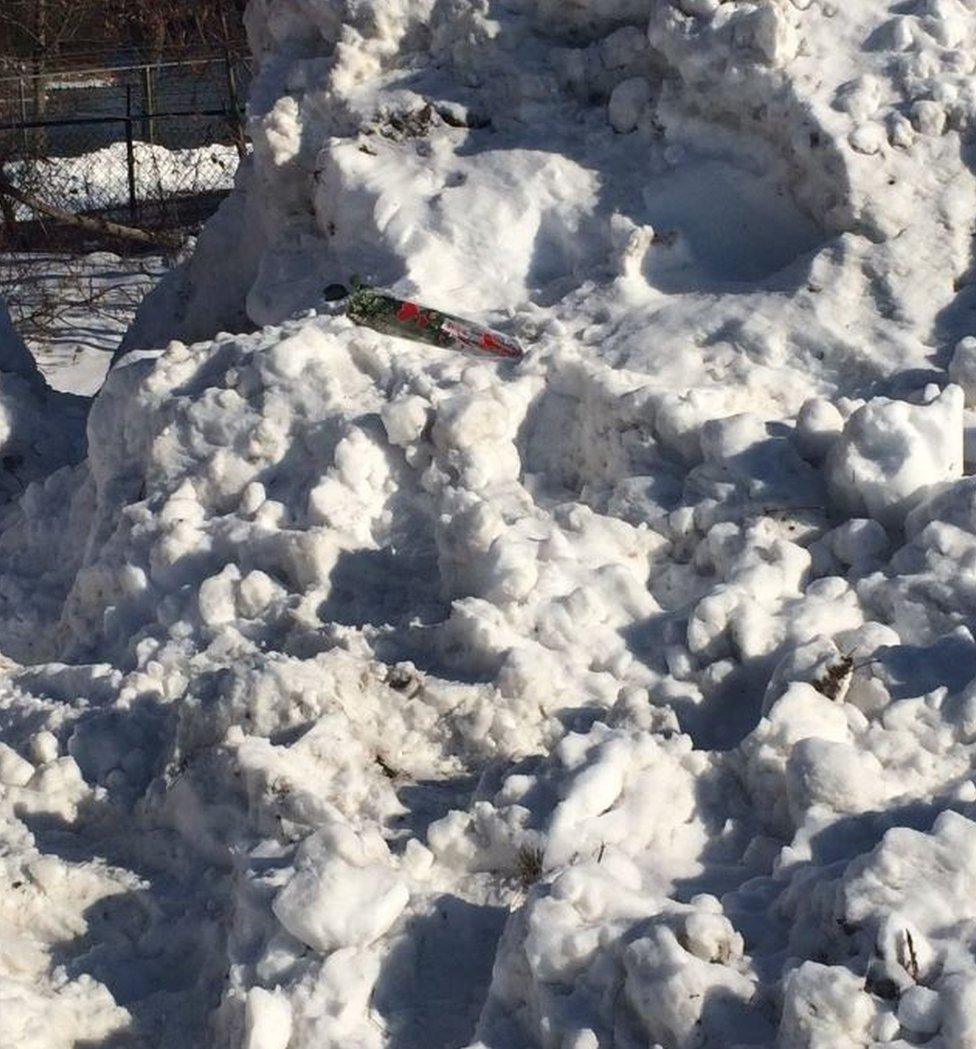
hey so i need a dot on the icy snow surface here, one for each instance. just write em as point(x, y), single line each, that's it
point(101, 179)
point(360, 694)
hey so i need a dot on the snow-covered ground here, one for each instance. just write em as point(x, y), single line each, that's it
point(363, 694)
point(73, 310)
point(100, 179)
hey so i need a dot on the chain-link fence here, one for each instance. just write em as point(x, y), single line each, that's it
point(152, 146)
point(211, 87)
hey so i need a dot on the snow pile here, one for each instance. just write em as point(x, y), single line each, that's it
point(39, 430)
point(366, 694)
point(100, 179)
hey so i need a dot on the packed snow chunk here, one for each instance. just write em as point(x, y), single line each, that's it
point(766, 471)
point(255, 592)
point(670, 989)
point(766, 598)
point(404, 419)
point(892, 451)
point(709, 935)
point(802, 712)
point(926, 592)
point(627, 103)
point(958, 1000)
point(836, 775)
point(344, 891)
point(929, 117)
point(15, 771)
point(951, 504)
point(770, 29)
point(723, 439)
point(910, 897)
point(920, 1010)
point(818, 426)
point(44, 748)
point(267, 1020)
point(680, 417)
point(826, 1007)
point(216, 597)
point(699, 7)
point(612, 783)
point(815, 662)
point(860, 543)
point(868, 139)
point(962, 368)
point(59, 1013)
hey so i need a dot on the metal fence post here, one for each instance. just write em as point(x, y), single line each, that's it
point(23, 113)
point(130, 155)
point(149, 103)
point(235, 105)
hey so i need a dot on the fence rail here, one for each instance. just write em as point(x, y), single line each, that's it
point(28, 125)
point(84, 71)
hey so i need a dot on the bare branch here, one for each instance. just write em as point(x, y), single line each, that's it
point(89, 223)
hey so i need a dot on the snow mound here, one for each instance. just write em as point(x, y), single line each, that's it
point(15, 358)
point(892, 450)
point(360, 693)
point(100, 179)
point(40, 429)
